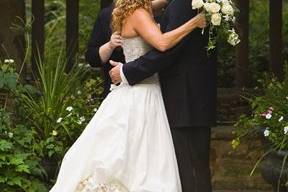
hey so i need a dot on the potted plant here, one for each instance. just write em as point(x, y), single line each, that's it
point(269, 120)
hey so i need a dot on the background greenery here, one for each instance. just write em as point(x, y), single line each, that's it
point(259, 46)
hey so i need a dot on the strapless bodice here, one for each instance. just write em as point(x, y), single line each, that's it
point(134, 48)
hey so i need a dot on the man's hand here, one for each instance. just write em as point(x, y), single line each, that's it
point(115, 72)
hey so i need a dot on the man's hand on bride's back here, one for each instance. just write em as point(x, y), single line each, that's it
point(200, 20)
point(115, 73)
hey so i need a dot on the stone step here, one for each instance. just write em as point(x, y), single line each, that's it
point(231, 168)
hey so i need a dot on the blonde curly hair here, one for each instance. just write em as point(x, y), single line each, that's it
point(125, 8)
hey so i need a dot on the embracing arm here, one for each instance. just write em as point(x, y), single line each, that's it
point(144, 25)
point(155, 61)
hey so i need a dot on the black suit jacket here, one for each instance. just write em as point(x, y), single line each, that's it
point(187, 74)
point(100, 35)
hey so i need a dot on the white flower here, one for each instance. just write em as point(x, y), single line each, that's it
point(79, 92)
point(226, 17)
point(226, 1)
point(197, 4)
point(268, 116)
point(214, 7)
point(59, 120)
point(79, 122)
point(95, 109)
point(54, 133)
point(82, 119)
point(72, 97)
point(281, 119)
point(266, 132)
point(9, 61)
point(286, 130)
point(233, 19)
point(233, 38)
point(80, 65)
point(207, 7)
point(216, 19)
point(227, 9)
point(10, 134)
point(69, 108)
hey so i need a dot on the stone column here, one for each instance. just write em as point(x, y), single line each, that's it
point(12, 42)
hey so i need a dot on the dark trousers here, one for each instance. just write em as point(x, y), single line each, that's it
point(192, 146)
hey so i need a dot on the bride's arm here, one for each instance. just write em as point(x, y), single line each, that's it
point(145, 26)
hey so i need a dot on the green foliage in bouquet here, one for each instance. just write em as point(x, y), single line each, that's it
point(221, 18)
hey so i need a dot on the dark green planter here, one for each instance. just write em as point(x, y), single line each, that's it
point(271, 168)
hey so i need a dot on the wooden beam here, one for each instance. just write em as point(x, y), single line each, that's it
point(72, 32)
point(38, 11)
point(241, 79)
point(276, 43)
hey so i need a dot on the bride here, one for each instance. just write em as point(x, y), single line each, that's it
point(127, 146)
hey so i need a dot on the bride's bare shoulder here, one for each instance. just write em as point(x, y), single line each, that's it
point(140, 14)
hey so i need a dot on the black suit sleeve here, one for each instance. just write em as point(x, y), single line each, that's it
point(97, 39)
point(178, 12)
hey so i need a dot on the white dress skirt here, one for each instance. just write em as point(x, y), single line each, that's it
point(127, 146)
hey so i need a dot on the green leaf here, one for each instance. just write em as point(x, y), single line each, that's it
point(2, 80)
point(11, 80)
point(5, 145)
point(23, 168)
point(16, 160)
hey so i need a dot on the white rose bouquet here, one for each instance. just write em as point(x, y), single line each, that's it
point(220, 15)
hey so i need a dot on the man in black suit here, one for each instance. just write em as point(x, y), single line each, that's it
point(101, 34)
point(188, 82)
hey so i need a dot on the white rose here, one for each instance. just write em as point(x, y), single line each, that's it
point(214, 7)
point(197, 4)
point(216, 19)
point(227, 9)
point(225, 1)
point(207, 7)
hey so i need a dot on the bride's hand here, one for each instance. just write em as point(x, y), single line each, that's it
point(200, 20)
point(115, 41)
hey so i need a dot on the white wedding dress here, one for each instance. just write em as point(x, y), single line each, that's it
point(127, 146)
